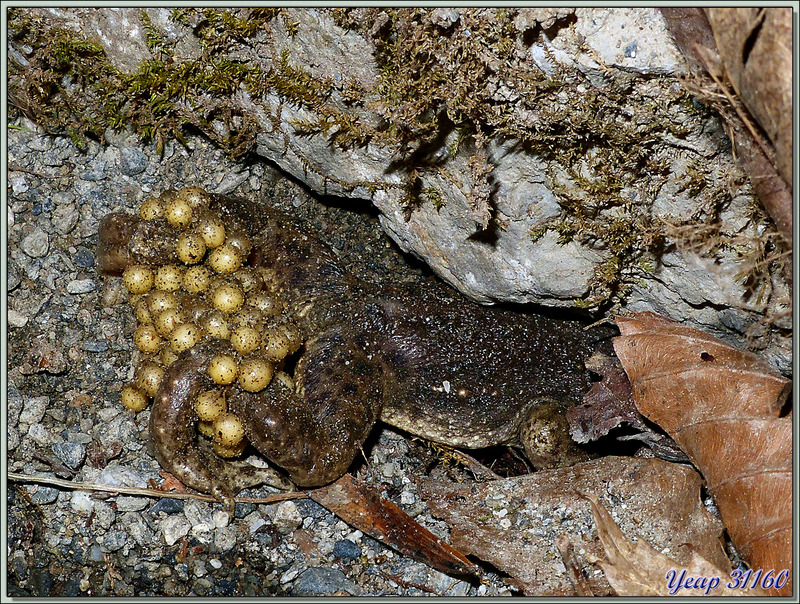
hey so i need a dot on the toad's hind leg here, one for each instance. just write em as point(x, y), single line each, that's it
point(315, 430)
point(174, 436)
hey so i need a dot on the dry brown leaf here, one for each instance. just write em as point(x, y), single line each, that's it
point(755, 44)
point(608, 404)
point(723, 407)
point(639, 570)
point(362, 506)
point(514, 523)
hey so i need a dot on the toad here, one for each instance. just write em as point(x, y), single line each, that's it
point(252, 331)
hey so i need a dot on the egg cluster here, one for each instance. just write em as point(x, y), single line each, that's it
point(207, 290)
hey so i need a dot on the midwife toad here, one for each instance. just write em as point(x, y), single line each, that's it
point(220, 284)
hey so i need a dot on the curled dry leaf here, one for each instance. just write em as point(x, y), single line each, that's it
point(639, 570)
point(361, 505)
point(723, 407)
point(608, 404)
point(515, 523)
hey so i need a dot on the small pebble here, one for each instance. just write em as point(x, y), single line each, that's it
point(84, 258)
point(174, 528)
point(33, 409)
point(287, 518)
point(132, 161)
point(81, 286)
point(42, 495)
point(321, 581)
point(16, 319)
point(113, 540)
point(167, 506)
point(94, 346)
point(65, 218)
point(346, 550)
point(36, 244)
point(81, 503)
point(71, 454)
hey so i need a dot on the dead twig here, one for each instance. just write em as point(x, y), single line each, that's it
point(120, 490)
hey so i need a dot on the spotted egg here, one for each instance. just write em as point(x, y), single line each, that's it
point(138, 278)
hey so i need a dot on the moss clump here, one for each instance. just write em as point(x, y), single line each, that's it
point(69, 85)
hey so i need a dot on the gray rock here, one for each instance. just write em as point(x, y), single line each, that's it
point(132, 161)
point(346, 550)
point(133, 524)
point(70, 453)
point(112, 541)
point(174, 528)
point(36, 244)
point(34, 409)
point(225, 538)
point(40, 434)
point(42, 495)
point(14, 404)
point(13, 277)
point(81, 286)
point(94, 346)
point(84, 258)
point(321, 581)
point(65, 218)
point(285, 516)
point(166, 506)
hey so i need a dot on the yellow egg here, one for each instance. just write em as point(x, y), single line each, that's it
point(216, 325)
point(169, 278)
point(223, 369)
point(240, 241)
point(138, 278)
point(228, 452)
point(249, 316)
point(210, 405)
point(142, 311)
point(196, 279)
point(146, 339)
point(178, 213)
point(160, 301)
point(184, 337)
point(281, 340)
point(245, 339)
point(267, 303)
point(194, 196)
point(132, 398)
point(228, 430)
point(148, 377)
point(151, 209)
point(167, 357)
point(228, 298)
point(166, 322)
point(212, 230)
point(190, 248)
point(255, 374)
point(225, 259)
point(206, 429)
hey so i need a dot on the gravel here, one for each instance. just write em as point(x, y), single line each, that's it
point(69, 353)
